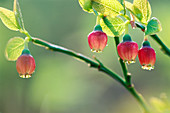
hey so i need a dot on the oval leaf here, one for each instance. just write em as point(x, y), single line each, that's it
point(149, 11)
point(18, 14)
point(86, 5)
point(141, 9)
point(134, 10)
point(116, 24)
point(154, 26)
point(107, 7)
point(142, 6)
point(8, 18)
point(14, 48)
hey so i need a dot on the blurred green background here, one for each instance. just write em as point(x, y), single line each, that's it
point(62, 84)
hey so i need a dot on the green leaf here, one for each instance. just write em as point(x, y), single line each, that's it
point(107, 7)
point(8, 18)
point(141, 9)
point(116, 24)
point(18, 14)
point(14, 48)
point(134, 10)
point(129, 6)
point(153, 26)
point(86, 5)
point(149, 11)
point(142, 6)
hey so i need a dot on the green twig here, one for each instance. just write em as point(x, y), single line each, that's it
point(164, 48)
point(93, 64)
point(139, 98)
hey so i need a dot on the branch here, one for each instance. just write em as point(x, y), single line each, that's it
point(164, 48)
point(93, 64)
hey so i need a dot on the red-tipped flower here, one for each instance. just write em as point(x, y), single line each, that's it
point(127, 49)
point(97, 39)
point(147, 56)
point(25, 64)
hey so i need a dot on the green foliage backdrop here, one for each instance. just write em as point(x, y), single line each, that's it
point(64, 85)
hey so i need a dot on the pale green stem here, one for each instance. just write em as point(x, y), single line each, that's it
point(98, 20)
point(126, 27)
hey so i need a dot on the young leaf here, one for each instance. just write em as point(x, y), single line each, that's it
point(149, 11)
point(18, 14)
point(153, 26)
point(14, 48)
point(142, 6)
point(8, 18)
point(141, 9)
point(107, 7)
point(86, 5)
point(134, 10)
point(117, 25)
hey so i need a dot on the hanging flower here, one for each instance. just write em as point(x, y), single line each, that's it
point(25, 64)
point(127, 49)
point(97, 39)
point(147, 56)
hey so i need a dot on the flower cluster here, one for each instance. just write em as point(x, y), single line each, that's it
point(127, 49)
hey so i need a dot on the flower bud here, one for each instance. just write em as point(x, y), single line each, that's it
point(25, 64)
point(127, 49)
point(97, 39)
point(133, 24)
point(147, 56)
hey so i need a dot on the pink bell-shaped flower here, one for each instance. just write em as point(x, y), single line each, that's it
point(25, 64)
point(127, 49)
point(97, 39)
point(147, 56)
